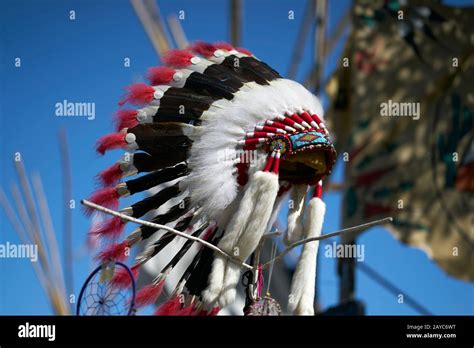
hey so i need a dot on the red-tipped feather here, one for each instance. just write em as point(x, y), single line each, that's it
point(177, 58)
point(160, 75)
point(110, 142)
point(149, 294)
point(244, 51)
point(111, 228)
point(212, 312)
point(223, 46)
point(116, 252)
point(111, 175)
point(170, 307)
point(122, 278)
point(186, 311)
point(138, 94)
point(107, 197)
point(126, 118)
point(203, 48)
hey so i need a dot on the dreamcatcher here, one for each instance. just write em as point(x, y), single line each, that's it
point(109, 290)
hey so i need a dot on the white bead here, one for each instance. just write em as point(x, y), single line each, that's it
point(158, 94)
point(178, 76)
point(195, 60)
point(141, 116)
point(130, 138)
point(218, 53)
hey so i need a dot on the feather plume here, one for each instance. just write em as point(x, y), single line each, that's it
point(116, 252)
point(138, 94)
point(149, 294)
point(170, 307)
point(111, 175)
point(126, 118)
point(160, 75)
point(203, 48)
point(111, 228)
point(223, 46)
point(122, 278)
point(110, 142)
point(107, 197)
point(177, 58)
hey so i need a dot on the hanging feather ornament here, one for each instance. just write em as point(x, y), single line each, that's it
point(219, 136)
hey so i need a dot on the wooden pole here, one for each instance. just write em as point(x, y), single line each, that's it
point(235, 22)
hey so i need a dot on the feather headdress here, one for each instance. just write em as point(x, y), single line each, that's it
point(229, 135)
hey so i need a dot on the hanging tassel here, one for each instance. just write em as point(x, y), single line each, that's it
point(303, 282)
point(296, 214)
point(243, 233)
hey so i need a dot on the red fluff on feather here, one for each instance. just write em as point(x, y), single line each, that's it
point(160, 75)
point(170, 307)
point(203, 48)
point(116, 252)
point(111, 175)
point(112, 228)
point(149, 294)
point(223, 46)
point(138, 94)
point(186, 311)
point(211, 313)
point(126, 118)
point(122, 278)
point(244, 51)
point(107, 197)
point(177, 58)
point(214, 311)
point(110, 142)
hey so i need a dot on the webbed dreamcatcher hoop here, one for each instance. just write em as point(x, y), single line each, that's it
point(101, 297)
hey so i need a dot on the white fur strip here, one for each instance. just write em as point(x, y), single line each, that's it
point(242, 236)
point(301, 300)
point(296, 214)
point(250, 237)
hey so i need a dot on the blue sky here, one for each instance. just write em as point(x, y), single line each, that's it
point(82, 61)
